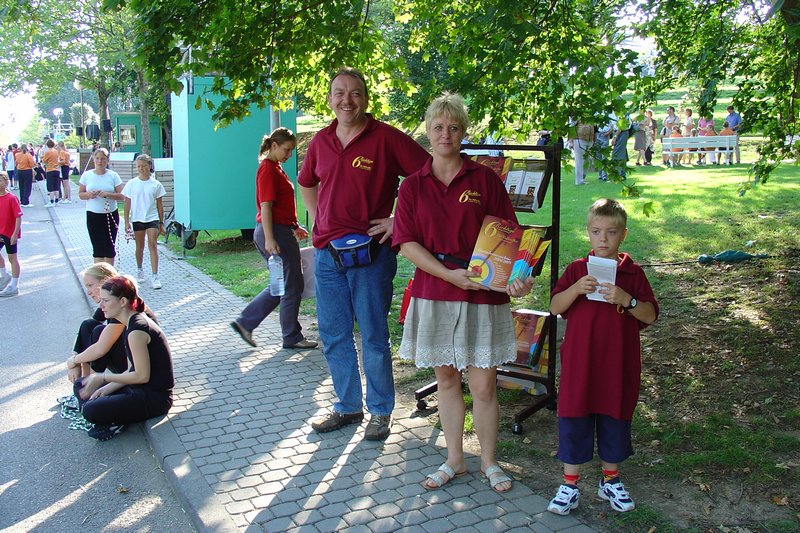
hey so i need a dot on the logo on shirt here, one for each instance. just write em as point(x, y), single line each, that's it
point(496, 227)
point(470, 197)
point(364, 163)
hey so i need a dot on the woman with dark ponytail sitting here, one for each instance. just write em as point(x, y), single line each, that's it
point(110, 401)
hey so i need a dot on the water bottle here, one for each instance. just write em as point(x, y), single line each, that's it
point(276, 285)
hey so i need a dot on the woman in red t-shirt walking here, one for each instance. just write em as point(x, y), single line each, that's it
point(277, 233)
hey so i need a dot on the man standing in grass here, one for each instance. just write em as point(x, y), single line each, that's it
point(734, 121)
point(349, 182)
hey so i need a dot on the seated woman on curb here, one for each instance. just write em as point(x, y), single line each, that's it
point(99, 344)
point(109, 400)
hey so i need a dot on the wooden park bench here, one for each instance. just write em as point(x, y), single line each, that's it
point(719, 144)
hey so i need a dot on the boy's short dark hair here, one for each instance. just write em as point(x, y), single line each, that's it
point(605, 207)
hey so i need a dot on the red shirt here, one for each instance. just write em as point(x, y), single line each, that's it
point(357, 183)
point(10, 211)
point(273, 185)
point(601, 361)
point(447, 220)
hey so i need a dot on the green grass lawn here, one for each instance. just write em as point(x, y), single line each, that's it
point(701, 429)
point(697, 211)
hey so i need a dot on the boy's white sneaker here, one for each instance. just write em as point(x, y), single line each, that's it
point(140, 276)
point(614, 491)
point(565, 500)
point(9, 291)
point(155, 283)
point(5, 279)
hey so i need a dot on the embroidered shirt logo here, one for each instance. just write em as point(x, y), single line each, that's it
point(364, 163)
point(470, 197)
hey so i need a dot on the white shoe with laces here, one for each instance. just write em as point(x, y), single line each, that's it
point(614, 491)
point(565, 500)
point(5, 279)
point(140, 276)
point(155, 283)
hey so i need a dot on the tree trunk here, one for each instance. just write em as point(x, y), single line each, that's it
point(144, 111)
point(102, 96)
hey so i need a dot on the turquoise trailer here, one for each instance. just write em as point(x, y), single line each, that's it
point(215, 169)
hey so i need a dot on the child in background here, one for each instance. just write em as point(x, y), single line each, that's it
point(144, 213)
point(600, 360)
point(676, 134)
point(692, 151)
point(63, 165)
point(10, 222)
point(728, 154)
point(712, 152)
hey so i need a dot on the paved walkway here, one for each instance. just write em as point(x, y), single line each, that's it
point(237, 443)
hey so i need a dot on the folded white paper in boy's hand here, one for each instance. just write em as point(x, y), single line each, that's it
point(605, 271)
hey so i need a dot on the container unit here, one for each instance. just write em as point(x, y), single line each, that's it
point(128, 131)
point(215, 168)
point(165, 174)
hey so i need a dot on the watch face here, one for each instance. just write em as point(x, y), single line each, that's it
point(633, 303)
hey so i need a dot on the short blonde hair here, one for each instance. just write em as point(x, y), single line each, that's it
point(608, 208)
point(449, 105)
point(100, 271)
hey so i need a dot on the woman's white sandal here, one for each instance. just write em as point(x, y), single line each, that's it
point(440, 481)
point(501, 477)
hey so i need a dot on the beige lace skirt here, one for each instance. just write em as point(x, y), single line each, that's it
point(458, 334)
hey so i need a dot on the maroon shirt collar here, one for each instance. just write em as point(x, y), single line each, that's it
point(330, 131)
point(467, 164)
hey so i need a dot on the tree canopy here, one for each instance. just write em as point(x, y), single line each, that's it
point(523, 66)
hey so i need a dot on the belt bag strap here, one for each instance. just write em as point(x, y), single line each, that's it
point(447, 258)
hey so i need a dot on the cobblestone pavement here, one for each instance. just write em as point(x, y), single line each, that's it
point(237, 445)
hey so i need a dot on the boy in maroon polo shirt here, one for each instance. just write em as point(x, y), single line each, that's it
point(349, 182)
point(600, 360)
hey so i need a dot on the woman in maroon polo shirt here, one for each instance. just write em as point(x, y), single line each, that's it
point(453, 323)
point(277, 233)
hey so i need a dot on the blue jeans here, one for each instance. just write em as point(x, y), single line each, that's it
point(263, 304)
point(362, 294)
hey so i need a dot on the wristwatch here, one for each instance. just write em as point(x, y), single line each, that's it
point(632, 305)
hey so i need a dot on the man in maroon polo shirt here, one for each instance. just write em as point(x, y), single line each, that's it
point(349, 182)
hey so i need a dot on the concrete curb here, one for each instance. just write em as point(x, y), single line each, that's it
point(198, 499)
point(202, 505)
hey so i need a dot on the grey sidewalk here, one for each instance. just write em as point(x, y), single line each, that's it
point(238, 446)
